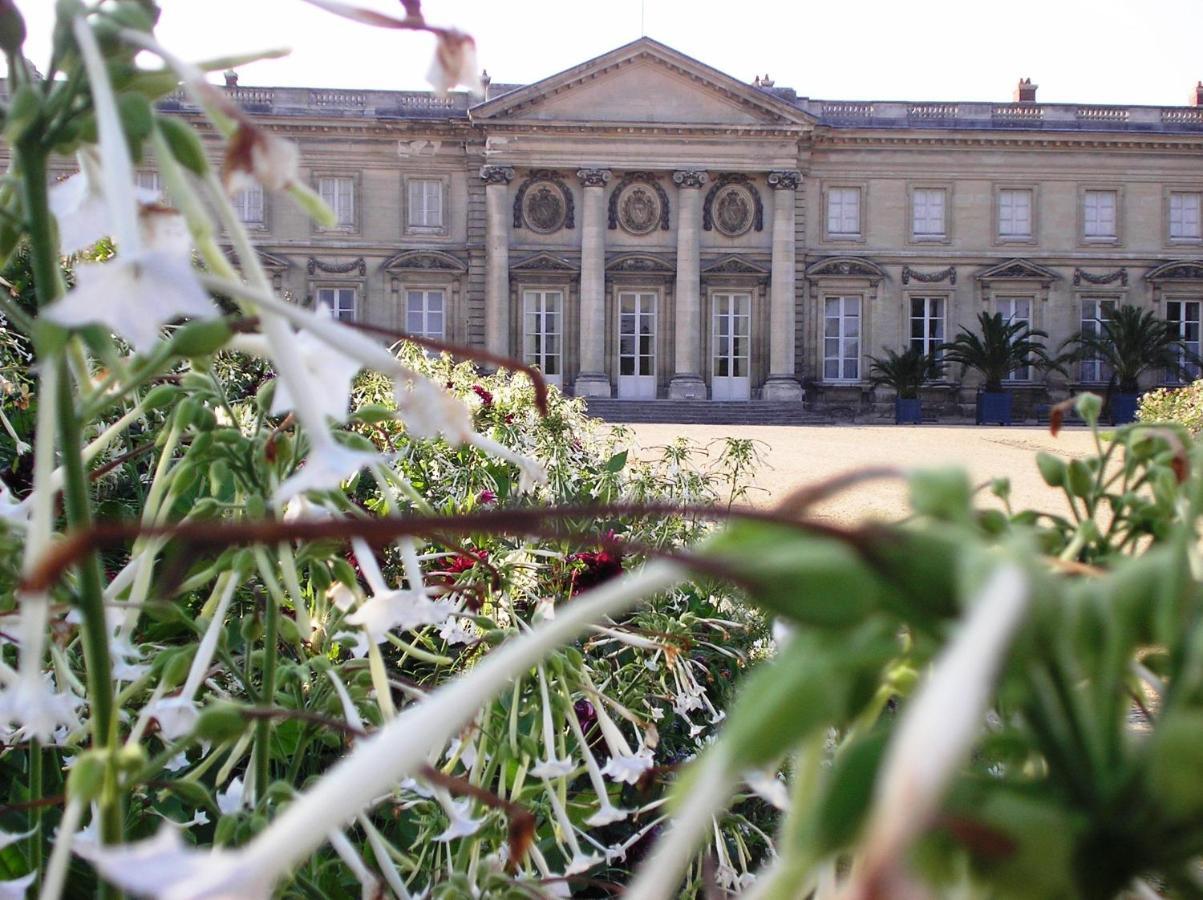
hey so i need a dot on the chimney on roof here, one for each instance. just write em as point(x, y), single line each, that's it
point(766, 81)
point(231, 78)
point(1025, 91)
point(485, 80)
point(1197, 95)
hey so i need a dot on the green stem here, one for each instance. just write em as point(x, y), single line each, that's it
point(263, 726)
point(91, 602)
point(36, 792)
point(43, 250)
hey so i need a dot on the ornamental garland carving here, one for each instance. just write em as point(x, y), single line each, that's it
point(544, 203)
point(1120, 275)
point(733, 205)
point(496, 174)
point(639, 203)
point(949, 274)
point(316, 265)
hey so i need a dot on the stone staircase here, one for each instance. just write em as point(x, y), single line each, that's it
point(713, 412)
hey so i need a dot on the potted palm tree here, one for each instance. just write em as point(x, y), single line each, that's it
point(905, 373)
point(1130, 342)
point(1002, 347)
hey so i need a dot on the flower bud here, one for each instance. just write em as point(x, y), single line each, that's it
point(86, 779)
point(220, 722)
point(200, 338)
point(12, 28)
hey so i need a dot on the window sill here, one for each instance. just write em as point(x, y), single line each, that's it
point(844, 238)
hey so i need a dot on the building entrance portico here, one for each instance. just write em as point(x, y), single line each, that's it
point(637, 345)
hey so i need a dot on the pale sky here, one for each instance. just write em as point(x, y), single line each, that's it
point(1084, 51)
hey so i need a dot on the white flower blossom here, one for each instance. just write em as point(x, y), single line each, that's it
point(607, 814)
point(176, 716)
point(553, 768)
point(582, 862)
point(454, 632)
point(79, 205)
point(12, 837)
point(768, 787)
point(397, 609)
point(301, 509)
point(231, 799)
point(628, 768)
point(428, 411)
point(13, 510)
point(332, 372)
point(357, 642)
point(455, 63)
point(328, 465)
point(466, 751)
point(461, 822)
point(16, 888)
point(177, 762)
point(256, 155)
point(36, 709)
point(341, 596)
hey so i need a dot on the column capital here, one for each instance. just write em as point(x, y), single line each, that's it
point(786, 180)
point(593, 177)
point(689, 178)
point(496, 174)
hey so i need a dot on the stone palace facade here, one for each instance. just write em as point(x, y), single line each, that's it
point(644, 226)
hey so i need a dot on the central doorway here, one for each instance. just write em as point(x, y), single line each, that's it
point(637, 345)
point(731, 342)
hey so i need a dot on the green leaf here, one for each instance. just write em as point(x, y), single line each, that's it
point(616, 462)
point(848, 793)
point(23, 111)
point(137, 120)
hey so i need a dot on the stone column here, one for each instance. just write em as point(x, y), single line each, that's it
point(497, 257)
point(782, 383)
point(687, 382)
point(592, 380)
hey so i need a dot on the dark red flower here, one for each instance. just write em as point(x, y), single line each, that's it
point(486, 398)
point(509, 418)
point(486, 497)
point(593, 567)
point(462, 563)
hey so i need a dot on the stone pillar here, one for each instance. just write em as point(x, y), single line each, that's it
point(592, 380)
point(782, 383)
point(497, 258)
point(687, 382)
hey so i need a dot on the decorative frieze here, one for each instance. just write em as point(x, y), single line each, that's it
point(315, 265)
point(785, 180)
point(593, 177)
point(496, 174)
point(733, 206)
point(949, 275)
point(543, 203)
point(1120, 275)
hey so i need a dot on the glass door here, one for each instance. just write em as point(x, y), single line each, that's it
point(637, 345)
point(731, 342)
point(542, 317)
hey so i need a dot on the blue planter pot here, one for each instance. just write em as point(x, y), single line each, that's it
point(908, 412)
point(994, 408)
point(1123, 408)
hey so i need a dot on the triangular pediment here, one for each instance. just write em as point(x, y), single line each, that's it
point(1017, 269)
point(545, 262)
point(644, 82)
point(640, 263)
point(734, 265)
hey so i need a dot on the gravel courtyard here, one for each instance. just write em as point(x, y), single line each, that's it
point(803, 454)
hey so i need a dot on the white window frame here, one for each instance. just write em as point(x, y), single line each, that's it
point(424, 294)
point(1086, 192)
point(849, 365)
point(346, 220)
point(926, 341)
point(1181, 326)
point(929, 209)
point(250, 204)
point(1094, 309)
point(149, 181)
point(416, 221)
point(1183, 236)
point(1001, 193)
point(333, 295)
point(536, 304)
point(851, 196)
point(1005, 304)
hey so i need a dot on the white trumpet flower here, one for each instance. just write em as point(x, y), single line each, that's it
point(328, 465)
point(331, 370)
point(397, 609)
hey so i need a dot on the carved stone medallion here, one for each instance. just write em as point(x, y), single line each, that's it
point(733, 210)
point(639, 209)
point(543, 209)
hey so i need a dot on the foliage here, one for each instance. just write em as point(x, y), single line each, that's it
point(1182, 406)
point(1130, 342)
point(1002, 346)
point(905, 372)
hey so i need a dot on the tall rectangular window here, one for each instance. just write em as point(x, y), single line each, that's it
point(843, 211)
point(1017, 309)
point(249, 204)
point(343, 302)
point(542, 331)
point(1099, 214)
point(424, 314)
point(1095, 311)
point(148, 181)
point(841, 339)
point(1183, 319)
point(1015, 213)
point(927, 324)
point(338, 193)
point(927, 213)
point(425, 208)
point(1185, 222)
